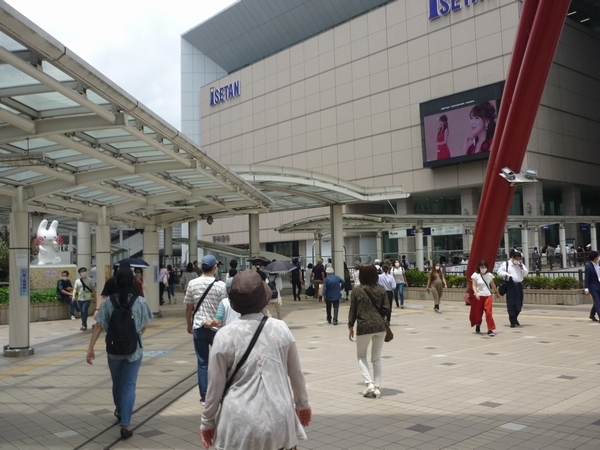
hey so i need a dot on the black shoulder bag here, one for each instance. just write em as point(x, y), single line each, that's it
point(202, 299)
point(85, 286)
point(504, 284)
point(388, 331)
point(245, 357)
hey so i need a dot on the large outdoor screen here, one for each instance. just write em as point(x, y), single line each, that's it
point(460, 128)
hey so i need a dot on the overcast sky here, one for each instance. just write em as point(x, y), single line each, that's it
point(135, 43)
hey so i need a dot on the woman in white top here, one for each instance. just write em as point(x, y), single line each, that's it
point(400, 278)
point(483, 285)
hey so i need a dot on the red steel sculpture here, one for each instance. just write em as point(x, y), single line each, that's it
point(539, 30)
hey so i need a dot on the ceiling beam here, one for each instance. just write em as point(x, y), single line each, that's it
point(46, 79)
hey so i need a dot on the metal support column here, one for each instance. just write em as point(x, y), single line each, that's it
point(193, 237)
point(168, 235)
point(525, 246)
point(419, 245)
point(254, 234)
point(151, 275)
point(379, 242)
point(318, 241)
point(18, 313)
point(84, 245)
point(594, 237)
point(506, 243)
point(337, 239)
point(103, 255)
point(563, 245)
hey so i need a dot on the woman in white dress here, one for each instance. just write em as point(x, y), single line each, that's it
point(266, 406)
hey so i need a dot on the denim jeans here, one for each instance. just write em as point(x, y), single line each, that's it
point(73, 306)
point(124, 377)
point(84, 306)
point(171, 291)
point(399, 292)
point(203, 338)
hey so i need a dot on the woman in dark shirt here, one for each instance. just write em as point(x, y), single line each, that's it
point(370, 325)
point(318, 274)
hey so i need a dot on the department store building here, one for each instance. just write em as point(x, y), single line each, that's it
point(356, 90)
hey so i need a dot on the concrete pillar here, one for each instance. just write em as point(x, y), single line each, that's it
point(429, 254)
point(594, 237)
point(84, 244)
point(419, 246)
point(151, 275)
point(469, 205)
point(563, 244)
point(18, 313)
point(525, 246)
point(168, 233)
point(506, 243)
point(318, 248)
point(571, 199)
point(254, 234)
point(533, 198)
point(103, 254)
point(337, 239)
point(193, 237)
point(404, 206)
point(379, 242)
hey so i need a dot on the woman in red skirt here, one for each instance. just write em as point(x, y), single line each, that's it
point(483, 286)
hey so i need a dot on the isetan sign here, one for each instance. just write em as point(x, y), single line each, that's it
point(439, 8)
point(226, 92)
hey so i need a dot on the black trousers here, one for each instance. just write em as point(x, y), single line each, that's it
point(336, 307)
point(390, 295)
point(514, 300)
point(296, 288)
point(161, 290)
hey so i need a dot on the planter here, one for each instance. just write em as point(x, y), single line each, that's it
point(531, 296)
point(43, 311)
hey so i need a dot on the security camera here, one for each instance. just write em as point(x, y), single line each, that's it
point(515, 179)
point(507, 174)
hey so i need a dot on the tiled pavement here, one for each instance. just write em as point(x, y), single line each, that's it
point(533, 387)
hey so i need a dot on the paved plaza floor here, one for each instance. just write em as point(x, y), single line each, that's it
point(444, 387)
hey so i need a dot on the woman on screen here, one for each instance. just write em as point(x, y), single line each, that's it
point(443, 151)
point(483, 125)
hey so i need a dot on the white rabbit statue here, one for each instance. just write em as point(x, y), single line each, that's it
point(48, 243)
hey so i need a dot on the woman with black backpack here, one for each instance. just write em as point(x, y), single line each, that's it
point(124, 317)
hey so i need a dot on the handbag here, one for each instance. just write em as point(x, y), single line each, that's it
point(503, 285)
point(245, 357)
point(388, 331)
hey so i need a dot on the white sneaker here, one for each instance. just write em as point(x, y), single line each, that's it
point(437, 310)
point(368, 392)
point(73, 318)
point(377, 393)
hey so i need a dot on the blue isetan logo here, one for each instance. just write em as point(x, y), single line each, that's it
point(226, 92)
point(439, 8)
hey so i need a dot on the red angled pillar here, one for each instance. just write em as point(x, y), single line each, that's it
point(537, 38)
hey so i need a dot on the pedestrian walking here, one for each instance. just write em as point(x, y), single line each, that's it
point(84, 292)
point(483, 286)
point(368, 299)
point(124, 367)
point(438, 282)
point(399, 274)
point(201, 300)
point(257, 396)
point(592, 283)
point(513, 272)
point(332, 293)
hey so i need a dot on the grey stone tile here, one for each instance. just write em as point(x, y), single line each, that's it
point(420, 428)
point(150, 433)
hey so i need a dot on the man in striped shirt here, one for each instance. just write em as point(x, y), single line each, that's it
point(199, 324)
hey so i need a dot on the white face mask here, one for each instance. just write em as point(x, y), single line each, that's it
point(83, 274)
point(397, 264)
point(516, 262)
point(437, 267)
point(482, 270)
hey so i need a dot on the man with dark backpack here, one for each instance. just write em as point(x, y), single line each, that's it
point(124, 317)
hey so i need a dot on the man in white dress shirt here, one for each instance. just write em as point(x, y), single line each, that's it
point(514, 271)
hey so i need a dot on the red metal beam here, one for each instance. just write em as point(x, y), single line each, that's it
point(537, 38)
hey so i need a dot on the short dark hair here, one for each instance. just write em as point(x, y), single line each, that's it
point(169, 267)
point(81, 269)
point(514, 254)
point(367, 274)
point(593, 255)
point(65, 271)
